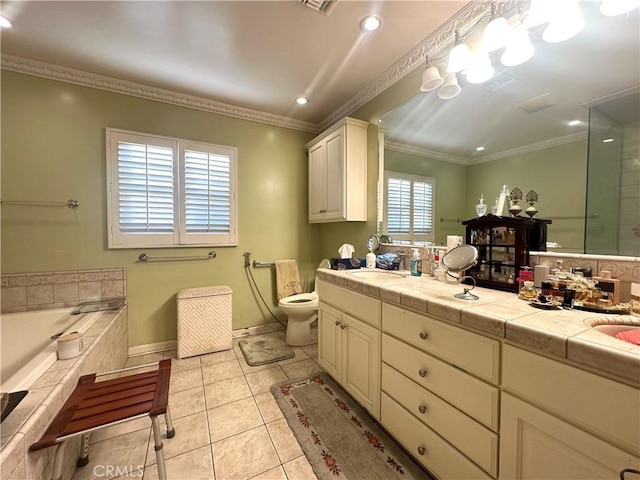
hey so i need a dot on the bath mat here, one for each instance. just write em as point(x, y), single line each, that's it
point(338, 437)
point(266, 348)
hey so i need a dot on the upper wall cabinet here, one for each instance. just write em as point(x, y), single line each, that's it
point(338, 173)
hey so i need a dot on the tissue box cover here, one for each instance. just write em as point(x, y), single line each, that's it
point(347, 263)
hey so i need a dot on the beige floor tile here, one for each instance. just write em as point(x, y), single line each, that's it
point(226, 391)
point(299, 469)
point(268, 407)
point(123, 453)
point(120, 429)
point(260, 382)
point(184, 364)
point(221, 371)
point(299, 355)
point(194, 465)
point(185, 380)
point(273, 474)
point(233, 418)
point(186, 402)
point(217, 357)
point(191, 433)
point(257, 455)
point(303, 369)
point(287, 447)
point(311, 350)
point(246, 368)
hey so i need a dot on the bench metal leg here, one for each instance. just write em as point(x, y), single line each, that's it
point(84, 450)
point(57, 460)
point(157, 439)
point(171, 432)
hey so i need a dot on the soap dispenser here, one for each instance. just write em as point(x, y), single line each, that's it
point(370, 259)
point(416, 263)
point(481, 208)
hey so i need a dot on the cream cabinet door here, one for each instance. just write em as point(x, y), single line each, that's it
point(330, 340)
point(536, 445)
point(361, 363)
point(334, 189)
point(317, 179)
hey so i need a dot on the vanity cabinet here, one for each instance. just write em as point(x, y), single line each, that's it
point(338, 173)
point(503, 245)
point(440, 397)
point(349, 347)
point(558, 421)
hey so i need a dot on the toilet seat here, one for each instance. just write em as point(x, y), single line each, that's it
point(301, 300)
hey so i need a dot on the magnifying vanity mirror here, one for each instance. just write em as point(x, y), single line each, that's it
point(455, 262)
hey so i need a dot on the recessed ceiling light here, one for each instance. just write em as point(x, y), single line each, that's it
point(5, 22)
point(370, 23)
point(607, 140)
point(301, 100)
point(573, 123)
point(479, 149)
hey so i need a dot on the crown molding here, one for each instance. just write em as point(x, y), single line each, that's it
point(424, 152)
point(533, 147)
point(431, 45)
point(86, 79)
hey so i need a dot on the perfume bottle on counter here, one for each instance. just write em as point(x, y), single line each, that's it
point(610, 287)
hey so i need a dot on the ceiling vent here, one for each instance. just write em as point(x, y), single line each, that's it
point(322, 6)
point(539, 103)
point(500, 82)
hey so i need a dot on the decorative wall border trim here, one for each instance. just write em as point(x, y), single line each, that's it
point(86, 79)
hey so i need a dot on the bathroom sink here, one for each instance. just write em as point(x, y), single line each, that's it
point(612, 330)
point(613, 325)
point(376, 275)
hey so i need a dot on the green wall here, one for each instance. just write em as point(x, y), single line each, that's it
point(53, 148)
point(450, 195)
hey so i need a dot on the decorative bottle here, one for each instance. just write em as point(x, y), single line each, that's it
point(481, 208)
point(416, 263)
point(370, 259)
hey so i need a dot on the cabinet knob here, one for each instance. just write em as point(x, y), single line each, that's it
point(337, 322)
point(421, 450)
point(422, 372)
point(422, 409)
point(343, 326)
point(424, 335)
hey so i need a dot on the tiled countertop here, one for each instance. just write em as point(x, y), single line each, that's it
point(562, 333)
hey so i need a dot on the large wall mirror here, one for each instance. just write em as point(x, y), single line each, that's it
point(565, 124)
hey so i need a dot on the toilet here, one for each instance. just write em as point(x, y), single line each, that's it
point(301, 310)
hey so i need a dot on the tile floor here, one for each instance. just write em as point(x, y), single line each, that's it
point(228, 426)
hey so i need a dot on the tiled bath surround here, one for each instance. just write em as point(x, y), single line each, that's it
point(22, 292)
point(105, 350)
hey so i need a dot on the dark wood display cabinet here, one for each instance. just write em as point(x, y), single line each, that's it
point(503, 245)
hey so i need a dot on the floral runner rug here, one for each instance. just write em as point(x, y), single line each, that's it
point(338, 437)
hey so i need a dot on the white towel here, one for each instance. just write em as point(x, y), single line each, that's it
point(287, 278)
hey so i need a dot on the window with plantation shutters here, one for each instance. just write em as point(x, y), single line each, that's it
point(408, 210)
point(167, 192)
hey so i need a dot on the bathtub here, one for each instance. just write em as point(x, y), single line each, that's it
point(27, 348)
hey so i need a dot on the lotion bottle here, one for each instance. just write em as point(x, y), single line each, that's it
point(370, 259)
point(416, 263)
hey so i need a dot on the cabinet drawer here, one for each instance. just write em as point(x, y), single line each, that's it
point(469, 351)
point(439, 457)
point(472, 396)
point(608, 408)
point(355, 304)
point(474, 440)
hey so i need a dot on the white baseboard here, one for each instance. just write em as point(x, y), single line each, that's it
point(171, 344)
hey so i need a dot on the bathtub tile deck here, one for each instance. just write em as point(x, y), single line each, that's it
point(203, 448)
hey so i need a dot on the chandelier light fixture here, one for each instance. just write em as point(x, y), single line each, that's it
point(507, 38)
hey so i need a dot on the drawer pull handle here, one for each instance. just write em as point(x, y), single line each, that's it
point(422, 409)
point(422, 372)
point(424, 335)
point(421, 450)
